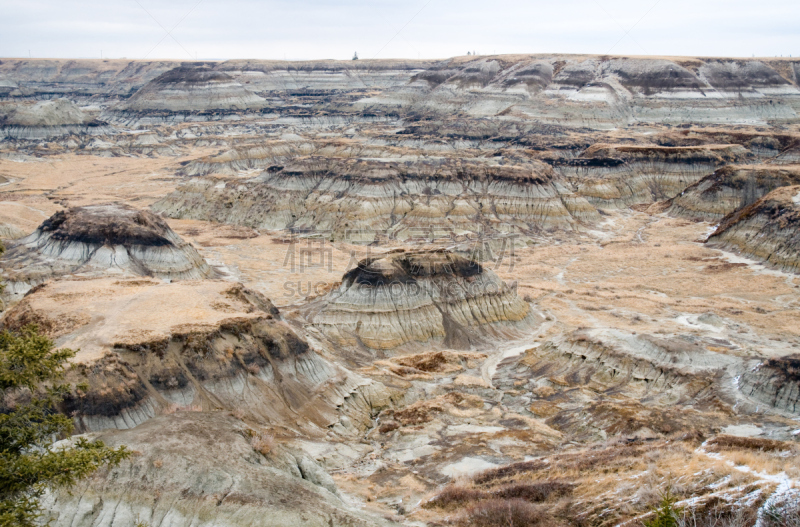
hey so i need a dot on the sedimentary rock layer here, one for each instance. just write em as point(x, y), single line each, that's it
point(612, 176)
point(562, 90)
point(148, 348)
point(192, 89)
point(100, 239)
point(775, 382)
point(205, 469)
point(404, 297)
point(397, 198)
point(45, 119)
point(768, 230)
point(731, 188)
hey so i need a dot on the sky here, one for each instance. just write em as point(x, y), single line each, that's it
point(318, 29)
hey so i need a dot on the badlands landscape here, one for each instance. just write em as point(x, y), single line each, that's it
point(488, 290)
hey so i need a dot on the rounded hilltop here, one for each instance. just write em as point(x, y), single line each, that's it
point(193, 89)
point(406, 298)
point(101, 239)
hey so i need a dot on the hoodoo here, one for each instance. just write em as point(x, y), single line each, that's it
point(407, 297)
point(148, 348)
point(101, 239)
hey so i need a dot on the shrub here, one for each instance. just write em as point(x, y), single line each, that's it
point(535, 492)
point(263, 442)
point(507, 513)
point(455, 496)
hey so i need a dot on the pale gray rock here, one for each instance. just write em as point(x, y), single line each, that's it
point(97, 240)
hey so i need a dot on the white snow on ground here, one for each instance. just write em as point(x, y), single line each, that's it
point(466, 467)
point(788, 488)
point(742, 430)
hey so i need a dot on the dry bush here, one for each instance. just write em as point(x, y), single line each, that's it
point(158, 463)
point(765, 462)
point(427, 362)
point(238, 414)
point(263, 442)
point(748, 443)
point(786, 514)
point(718, 513)
point(507, 513)
point(455, 497)
point(536, 492)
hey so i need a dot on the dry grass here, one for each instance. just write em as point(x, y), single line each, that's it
point(726, 442)
point(766, 462)
point(507, 513)
point(263, 442)
point(606, 484)
point(457, 496)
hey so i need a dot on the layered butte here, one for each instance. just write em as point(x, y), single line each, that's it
point(614, 176)
point(768, 230)
point(395, 198)
point(150, 348)
point(45, 119)
point(189, 89)
point(418, 297)
point(731, 188)
point(100, 239)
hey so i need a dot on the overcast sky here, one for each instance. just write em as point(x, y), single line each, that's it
point(317, 29)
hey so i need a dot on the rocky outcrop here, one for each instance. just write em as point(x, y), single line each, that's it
point(775, 382)
point(731, 188)
point(204, 469)
point(768, 230)
point(559, 90)
point(149, 348)
point(613, 176)
point(193, 90)
point(393, 198)
point(406, 298)
point(100, 239)
point(45, 119)
point(81, 78)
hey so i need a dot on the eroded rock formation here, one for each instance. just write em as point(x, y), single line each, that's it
point(612, 176)
point(205, 469)
point(192, 89)
point(150, 348)
point(768, 230)
point(390, 197)
point(100, 239)
point(731, 188)
point(405, 298)
point(45, 119)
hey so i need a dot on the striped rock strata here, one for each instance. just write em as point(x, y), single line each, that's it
point(731, 188)
point(614, 176)
point(100, 239)
point(191, 89)
point(406, 298)
point(768, 230)
point(193, 469)
point(149, 348)
point(390, 197)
